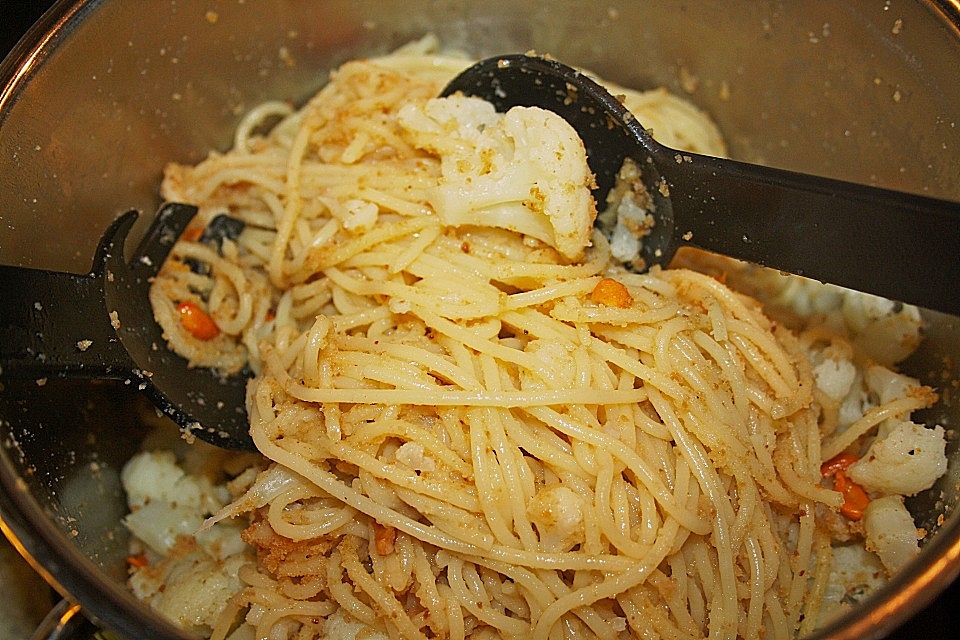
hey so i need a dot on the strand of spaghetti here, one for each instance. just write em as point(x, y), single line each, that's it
point(237, 176)
point(402, 477)
point(754, 357)
point(368, 367)
point(613, 316)
point(633, 461)
point(775, 354)
point(435, 364)
point(871, 418)
point(609, 587)
point(732, 370)
point(755, 602)
point(231, 273)
point(392, 203)
point(329, 483)
point(255, 118)
point(292, 208)
point(319, 259)
point(538, 324)
point(379, 430)
point(343, 594)
point(459, 302)
point(639, 338)
point(551, 292)
point(823, 561)
point(597, 625)
point(452, 398)
point(485, 614)
point(448, 251)
point(389, 608)
point(343, 323)
point(303, 608)
point(414, 250)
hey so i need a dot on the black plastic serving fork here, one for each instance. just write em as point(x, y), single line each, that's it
point(101, 325)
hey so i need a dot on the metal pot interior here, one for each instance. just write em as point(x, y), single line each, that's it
point(100, 97)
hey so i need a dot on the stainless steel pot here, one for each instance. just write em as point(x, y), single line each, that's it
point(102, 93)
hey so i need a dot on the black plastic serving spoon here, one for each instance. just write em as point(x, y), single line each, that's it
point(896, 245)
point(101, 325)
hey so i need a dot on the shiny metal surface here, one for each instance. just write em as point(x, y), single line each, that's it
point(105, 92)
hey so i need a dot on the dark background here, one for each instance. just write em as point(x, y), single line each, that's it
point(940, 620)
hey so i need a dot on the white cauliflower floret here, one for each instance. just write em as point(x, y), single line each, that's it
point(190, 589)
point(890, 532)
point(907, 461)
point(525, 170)
point(156, 477)
point(855, 403)
point(853, 569)
point(628, 218)
point(158, 524)
point(889, 385)
point(835, 377)
point(887, 331)
point(558, 514)
point(806, 297)
point(190, 575)
point(165, 502)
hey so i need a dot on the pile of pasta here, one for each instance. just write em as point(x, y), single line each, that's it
point(474, 422)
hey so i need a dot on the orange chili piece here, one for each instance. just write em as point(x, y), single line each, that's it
point(193, 234)
point(611, 293)
point(138, 561)
point(197, 321)
point(855, 499)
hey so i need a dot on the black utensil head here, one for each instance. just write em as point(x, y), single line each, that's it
point(204, 402)
point(609, 131)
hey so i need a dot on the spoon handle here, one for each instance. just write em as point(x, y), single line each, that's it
point(896, 245)
point(55, 323)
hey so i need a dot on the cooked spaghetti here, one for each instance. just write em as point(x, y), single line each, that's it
point(475, 423)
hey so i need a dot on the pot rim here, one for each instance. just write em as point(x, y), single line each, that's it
point(51, 553)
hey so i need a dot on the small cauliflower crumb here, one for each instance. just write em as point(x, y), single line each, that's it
point(83, 345)
point(557, 513)
point(412, 455)
point(360, 215)
point(555, 366)
point(628, 218)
